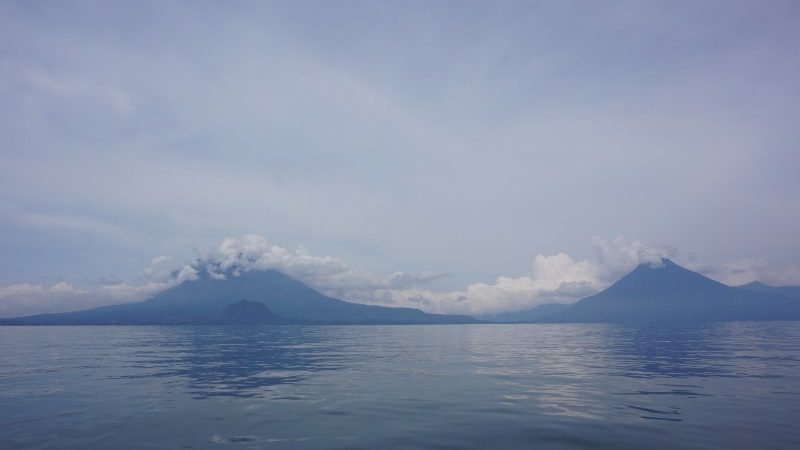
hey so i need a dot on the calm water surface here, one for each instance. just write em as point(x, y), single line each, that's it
point(730, 385)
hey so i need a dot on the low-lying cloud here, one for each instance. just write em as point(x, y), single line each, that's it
point(553, 279)
point(558, 278)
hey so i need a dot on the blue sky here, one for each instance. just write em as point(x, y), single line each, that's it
point(463, 139)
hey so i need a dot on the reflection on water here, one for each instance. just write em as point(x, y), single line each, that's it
point(236, 361)
point(476, 386)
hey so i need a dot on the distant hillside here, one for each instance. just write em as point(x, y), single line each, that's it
point(757, 286)
point(236, 300)
point(670, 293)
point(528, 315)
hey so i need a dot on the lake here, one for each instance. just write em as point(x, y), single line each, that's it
point(717, 385)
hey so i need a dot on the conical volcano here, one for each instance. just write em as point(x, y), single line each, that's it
point(667, 292)
point(258, 296)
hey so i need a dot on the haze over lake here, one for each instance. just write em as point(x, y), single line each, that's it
point(723, 385)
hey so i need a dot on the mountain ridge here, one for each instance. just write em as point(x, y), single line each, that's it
point(650, 293)
point(758, 286)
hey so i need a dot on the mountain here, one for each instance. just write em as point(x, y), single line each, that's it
point(247, 312)
point(251, 297)
point(757, 286)
point(671, 293)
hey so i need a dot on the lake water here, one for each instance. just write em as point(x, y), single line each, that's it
point(725, 386)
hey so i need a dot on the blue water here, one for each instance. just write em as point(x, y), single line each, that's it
point(727, 386)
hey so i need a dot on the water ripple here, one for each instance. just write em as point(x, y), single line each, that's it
point(477, 386)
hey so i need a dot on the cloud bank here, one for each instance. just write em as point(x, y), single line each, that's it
point(557, 278)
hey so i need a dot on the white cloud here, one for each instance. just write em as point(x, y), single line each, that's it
point(620, 255)
point(554, 279)
point(327, 273)
point(30, 298)
point(26, 298)
point(159, 269)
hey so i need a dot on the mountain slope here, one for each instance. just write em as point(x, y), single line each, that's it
point(205, 300)
point(670, 293)
point(757, 286)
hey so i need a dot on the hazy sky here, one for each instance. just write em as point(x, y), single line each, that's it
point(429, 138)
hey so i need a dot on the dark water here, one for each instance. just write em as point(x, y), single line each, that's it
point(730, 385)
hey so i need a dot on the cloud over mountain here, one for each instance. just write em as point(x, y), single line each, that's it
point(558, 278)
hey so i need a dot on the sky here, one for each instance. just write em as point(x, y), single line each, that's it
point(471, 157)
